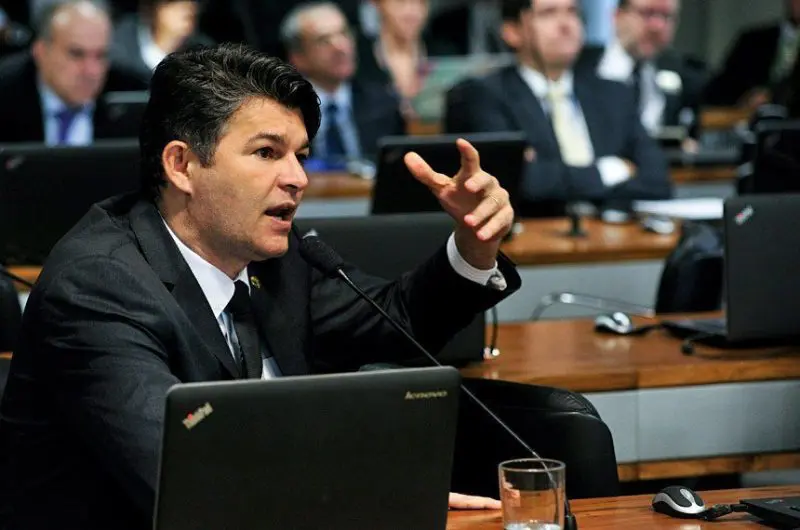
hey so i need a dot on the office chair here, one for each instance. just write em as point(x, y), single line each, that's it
point(10, 315)
point(556, 423)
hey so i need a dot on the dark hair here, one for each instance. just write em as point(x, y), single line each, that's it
point(512, 9)
point(194, 93)
point(622, 4)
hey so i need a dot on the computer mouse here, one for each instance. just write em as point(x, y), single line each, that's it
point(678, 501)
point(616, 322)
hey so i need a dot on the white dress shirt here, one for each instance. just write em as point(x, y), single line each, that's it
point(150, 52)
point(218, 289)
point(617, 65)
point(613, 171)
point(81, 131)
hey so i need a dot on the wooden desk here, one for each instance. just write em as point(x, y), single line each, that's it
point(541, 243)
point(569, 354)
point(698, 175)
point(634, 513)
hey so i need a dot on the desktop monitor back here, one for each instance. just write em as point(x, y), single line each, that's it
point(397, 191)
point(341, 452)
point(44, 191)
point(776, 160)
point(389, 245)
point(761, 259)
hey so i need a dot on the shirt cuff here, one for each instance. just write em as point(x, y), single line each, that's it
point(464, 269)
point(613, 171)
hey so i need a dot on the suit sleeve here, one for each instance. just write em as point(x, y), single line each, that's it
point(111, 372)
point(432, 301)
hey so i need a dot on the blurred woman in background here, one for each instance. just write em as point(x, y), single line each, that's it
point(160, 27)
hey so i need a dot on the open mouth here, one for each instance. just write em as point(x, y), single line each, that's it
point(284, 212)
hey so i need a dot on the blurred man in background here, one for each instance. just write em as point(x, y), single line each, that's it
point(758, 63)
point(52, 94)
point(667, 88)
point(355, 113)
point(587, 138)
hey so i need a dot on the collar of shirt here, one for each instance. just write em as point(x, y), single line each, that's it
point(343, 97)
point(52, 104)
point(215, 284)
point(150, 52)
point(616, 64)
point(541, 86)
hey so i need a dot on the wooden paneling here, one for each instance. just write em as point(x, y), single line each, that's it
point(635, 513)
point(699, 467)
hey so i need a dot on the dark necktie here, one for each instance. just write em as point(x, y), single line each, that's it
point(334, 144)
point(636, 85)
point(65, 118)
point(241, 311)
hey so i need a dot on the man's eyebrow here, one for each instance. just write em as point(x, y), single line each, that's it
point(275, 137)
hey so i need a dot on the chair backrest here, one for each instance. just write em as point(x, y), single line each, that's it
point(556, 423)
point(10, 315)
point(692, 279)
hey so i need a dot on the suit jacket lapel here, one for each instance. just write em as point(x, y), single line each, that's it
point(280, 332)
point(165, 259)
point(532, 118)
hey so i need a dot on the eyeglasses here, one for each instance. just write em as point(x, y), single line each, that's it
point(653, 14)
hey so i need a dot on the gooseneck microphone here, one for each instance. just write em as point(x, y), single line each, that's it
point(323, 258)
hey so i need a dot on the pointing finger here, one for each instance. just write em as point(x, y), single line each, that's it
point(424, 173)
point(470, 159)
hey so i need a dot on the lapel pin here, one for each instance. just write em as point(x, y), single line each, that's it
point(255, 282)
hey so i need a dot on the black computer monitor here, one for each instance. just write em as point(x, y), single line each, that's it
point(389, 245)
point(44, 191)
point(127, 107)
point(397, 191)
point(776, 161)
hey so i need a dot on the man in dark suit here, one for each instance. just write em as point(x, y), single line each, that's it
point(52, 95)
point(199, 278)
point(588, 143)
point(667, 87)
point(355, 113)
point(141, 40)
point(758, 63)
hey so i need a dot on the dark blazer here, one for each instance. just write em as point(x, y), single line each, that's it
point(748, 66)
point(376, 110)
point(117, 318)
point(21, 107)
point(693, 80)
point(126, 52)
point(504, 102)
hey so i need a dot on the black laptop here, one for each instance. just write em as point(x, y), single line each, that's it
point(397, 191)
point(389, 245)
point(44, 191)
point(341, 452)
point(783, 511)
point(762, 286)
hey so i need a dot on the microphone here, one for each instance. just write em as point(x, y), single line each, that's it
point(19, 279)
point(323, 258)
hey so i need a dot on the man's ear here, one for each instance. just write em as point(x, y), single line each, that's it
point(37, 50)
point(511, 35)
point(176, 159)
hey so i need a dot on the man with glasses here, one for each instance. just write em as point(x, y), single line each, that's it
point(355, 113)
point(667, 86)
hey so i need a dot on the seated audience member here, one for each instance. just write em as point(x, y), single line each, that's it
point(355, 113)
point(52, 95)
point(398, 55)
point(587, 139)
point(160, 27)
point(667, 88)
point(139, 296)
point(758, 62)
point(257, 22)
